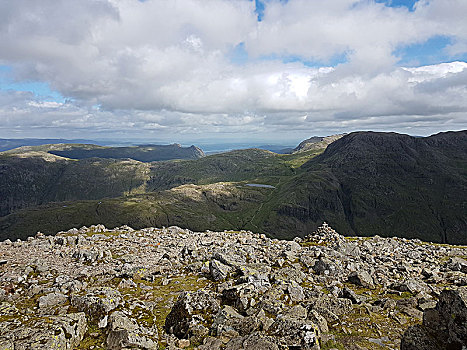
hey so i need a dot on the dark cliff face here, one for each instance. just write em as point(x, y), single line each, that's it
point(390, 184)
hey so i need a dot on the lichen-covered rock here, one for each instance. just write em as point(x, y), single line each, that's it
point(126, 333)
point(418, 338)
point(325, 266)
point(190, 309)
point(55, 332)
point(97, 301)
point(457, 264)
point(361, 278)
point(52, 299)
point(444, 327)
point(293, 332)
point(218, 270)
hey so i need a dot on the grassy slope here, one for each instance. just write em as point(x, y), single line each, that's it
point(234, 207)
point(362, 185)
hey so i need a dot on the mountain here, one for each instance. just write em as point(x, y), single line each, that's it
point(7, 144)
point(364, 184)
point(143, 153)
point(384, 183)
point(316, 142)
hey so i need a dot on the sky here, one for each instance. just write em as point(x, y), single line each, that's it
point(263, 71)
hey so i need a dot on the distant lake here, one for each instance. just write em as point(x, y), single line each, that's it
point(260, 185)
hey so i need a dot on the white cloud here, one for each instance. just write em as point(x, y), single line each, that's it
point(164, 66)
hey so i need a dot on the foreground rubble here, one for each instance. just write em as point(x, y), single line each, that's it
point(95, 288)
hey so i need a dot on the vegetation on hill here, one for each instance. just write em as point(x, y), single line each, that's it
point(143, 153)
point(363, 184)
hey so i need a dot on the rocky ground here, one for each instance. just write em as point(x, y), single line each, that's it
point(95, 288)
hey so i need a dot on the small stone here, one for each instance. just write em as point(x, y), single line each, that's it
point(183, 343)
point(361, 278)
point(52, 299)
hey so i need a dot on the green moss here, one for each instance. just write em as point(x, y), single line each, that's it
point(331, 344)
point(94, 337)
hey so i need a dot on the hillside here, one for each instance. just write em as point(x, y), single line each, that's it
point(172, 288)
point(316, 142)
point(8, 144)
point(143, 153)
point(364, 183)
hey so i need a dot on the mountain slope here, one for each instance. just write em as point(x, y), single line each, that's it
point(365, 183)
point(316, 142)
point(383, 183)
point(143, 153)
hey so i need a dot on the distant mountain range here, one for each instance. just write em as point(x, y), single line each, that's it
point(7, 144)
point(363, 183)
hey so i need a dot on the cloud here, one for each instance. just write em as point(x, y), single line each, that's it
point(144, 68)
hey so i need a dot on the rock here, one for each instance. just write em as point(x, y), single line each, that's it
point(293, 246)
point(451, 319)
point(261, 293)
point(6, 344)
point(295, 333)
point(98, 301)
point(330, 307)
point(218, 270)
point(57, 332)
point(417, 338)
point(252, 342)
point(52, 299)
point(240, 296)
point(361, 278)
point(351, 295)
point(127, 283)
point(325, 266)
point(444, 326)
point(183, 343)
point(125, 333)
point(85, 255)
point(103, 323)
point(187, 312)
point(289, 274)
point(227, 319)
point(295, 292)
point(297, 311)
point(457, 264)
point(411, 285)
point(318, 320)
point(210, 343)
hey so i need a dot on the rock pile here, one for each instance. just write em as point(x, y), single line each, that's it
point(96, 288)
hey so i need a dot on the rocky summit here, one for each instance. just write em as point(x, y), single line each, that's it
point(96, 288)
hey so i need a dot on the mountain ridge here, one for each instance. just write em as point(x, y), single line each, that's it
point(364, 183)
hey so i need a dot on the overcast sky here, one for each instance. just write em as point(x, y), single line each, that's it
point(231, 70)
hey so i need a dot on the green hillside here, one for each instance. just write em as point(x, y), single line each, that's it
point(362, 184)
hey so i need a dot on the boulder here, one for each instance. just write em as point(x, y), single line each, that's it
point(444, 327)
point(362, 279)
point(52, 299)
point(97, 301)
point(325, 266)
point(295, 333)
point(457, 264)
point(188, 311)
point(218, 271)
point(126, 333)
point(55, 332)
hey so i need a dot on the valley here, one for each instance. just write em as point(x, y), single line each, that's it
point(363, 184)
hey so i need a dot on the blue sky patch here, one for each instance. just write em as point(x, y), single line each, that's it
point(429, 52)
point(399, 3)
point(40, 89)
